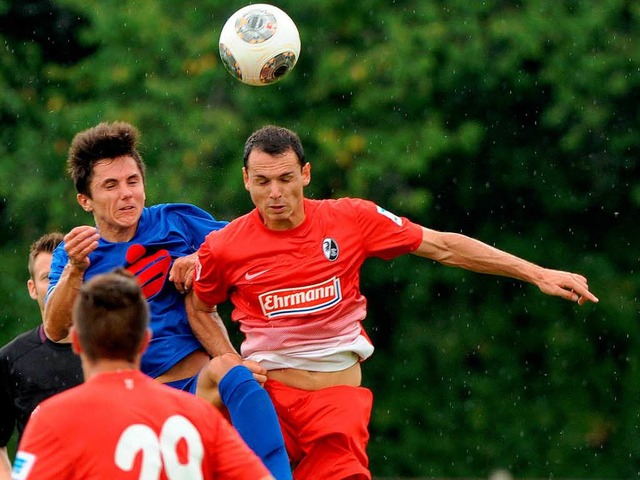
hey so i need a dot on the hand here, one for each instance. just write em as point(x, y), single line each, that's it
point(211, 375)
point(79, 243)
point(259, 373)
point(571, 286)
point(181, 273)
point(219, 366)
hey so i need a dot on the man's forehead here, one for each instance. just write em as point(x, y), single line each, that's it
point(264, 164)
point(273, 172)
point(42, 261)
point(120, 167)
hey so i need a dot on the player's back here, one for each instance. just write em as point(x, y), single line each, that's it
point(124, 425)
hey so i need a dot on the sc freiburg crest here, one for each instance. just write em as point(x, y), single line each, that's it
point(330, 249)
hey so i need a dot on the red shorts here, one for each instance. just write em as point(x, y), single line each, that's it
point(325, 431)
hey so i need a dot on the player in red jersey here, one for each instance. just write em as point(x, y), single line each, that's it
point(291, 268)
point(122, 424)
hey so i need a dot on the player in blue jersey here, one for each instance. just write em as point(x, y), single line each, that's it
point(109, 175)
point(154, 244)
point(163, 233)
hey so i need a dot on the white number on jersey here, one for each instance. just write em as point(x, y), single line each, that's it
point(161, 452)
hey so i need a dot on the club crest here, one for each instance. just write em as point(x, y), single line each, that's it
point(330, 249)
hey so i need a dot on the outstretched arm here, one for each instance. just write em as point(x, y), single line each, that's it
point(458, 250)
point(79, 243)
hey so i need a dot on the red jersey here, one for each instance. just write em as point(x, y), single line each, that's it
point(296, 292)
point(125, 425)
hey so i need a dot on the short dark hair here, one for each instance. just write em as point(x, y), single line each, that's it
point(274, 140)
point(111, 316)
point(104, 141)
point(47, 243)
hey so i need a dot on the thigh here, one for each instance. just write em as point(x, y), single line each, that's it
point(326, 431)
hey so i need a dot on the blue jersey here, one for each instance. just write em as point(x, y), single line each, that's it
point(165, 232)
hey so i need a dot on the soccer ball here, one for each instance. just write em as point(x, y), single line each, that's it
point(259, 44)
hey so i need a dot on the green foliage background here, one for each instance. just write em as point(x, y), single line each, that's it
point(515, 122)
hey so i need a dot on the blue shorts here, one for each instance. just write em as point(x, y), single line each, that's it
point(186, 384)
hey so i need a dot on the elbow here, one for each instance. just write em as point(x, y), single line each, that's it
point(53, 334)
point(201, 306)
point(53, 331)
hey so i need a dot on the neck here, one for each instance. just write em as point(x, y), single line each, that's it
point(103, 365)
point(115, 235)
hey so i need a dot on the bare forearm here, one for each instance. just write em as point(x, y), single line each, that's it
point(461, 251)
point(211, 334)
point(5, 464)
point(209, 329)
point(457, 250)
point(57, 312)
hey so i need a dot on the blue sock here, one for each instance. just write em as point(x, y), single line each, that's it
point(254, 417)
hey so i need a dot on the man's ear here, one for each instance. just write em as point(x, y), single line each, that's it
point(245, 178)
point(31, 286)
point(145, 341)
point(85, 202)
point(306, 174)
point(75, 341)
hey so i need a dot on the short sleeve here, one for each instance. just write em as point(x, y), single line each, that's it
point(385, 235)
point(59, 260)
point(209, 284)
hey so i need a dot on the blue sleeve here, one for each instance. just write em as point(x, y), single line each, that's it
point(254, 417)
point(59, 260)
point(198, 223)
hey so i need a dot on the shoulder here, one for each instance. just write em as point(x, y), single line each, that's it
point(184, 214)
point(247, 219)
point(238, 226)
point(175, 209)
point(343, 203)
point(363, 208)
point(354, 203)
point(345, 207)
point(62, 404)
point(20, 345)
point(187, 404)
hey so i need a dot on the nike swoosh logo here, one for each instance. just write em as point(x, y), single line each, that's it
point(250, 276)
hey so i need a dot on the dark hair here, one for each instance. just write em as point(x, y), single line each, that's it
point(274, 141)
point(111, 316)
point(104, 141)
point(45, 244)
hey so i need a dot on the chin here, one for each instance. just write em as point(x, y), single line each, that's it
point(131, 218)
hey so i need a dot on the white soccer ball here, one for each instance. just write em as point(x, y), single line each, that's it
point(259, 44)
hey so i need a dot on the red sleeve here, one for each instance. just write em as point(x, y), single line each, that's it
point(385, 235)
point(209, 285)
point(41, 454)
point(235, 460)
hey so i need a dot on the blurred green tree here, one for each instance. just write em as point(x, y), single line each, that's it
point(513, 122)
